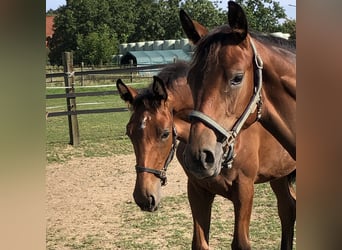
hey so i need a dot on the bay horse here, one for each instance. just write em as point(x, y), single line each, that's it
point(237, 78)
point(160, 114)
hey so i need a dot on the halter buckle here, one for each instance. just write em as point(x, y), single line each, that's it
point(162, 177)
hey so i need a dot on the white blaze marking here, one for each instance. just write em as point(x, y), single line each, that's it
point(143, 123)
point(144, 120)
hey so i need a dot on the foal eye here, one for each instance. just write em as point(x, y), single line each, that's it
point(165, 134)
point(237, 79)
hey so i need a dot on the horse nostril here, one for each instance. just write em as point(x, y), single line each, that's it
point(207, 156)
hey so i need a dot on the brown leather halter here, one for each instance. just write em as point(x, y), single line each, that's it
point(161, 174)
point(227, 138)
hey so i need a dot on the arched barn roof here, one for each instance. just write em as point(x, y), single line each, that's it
point(154, 57)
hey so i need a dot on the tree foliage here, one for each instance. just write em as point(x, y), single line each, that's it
point(93, 29)
point(268, 16)
point(64, 37)
point(263, 15)
point(289, 26)
point(147, 21)
point(199, 11)
point(96, 48)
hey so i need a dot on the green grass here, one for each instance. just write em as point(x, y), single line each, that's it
point(175, 225)
point(100, 134)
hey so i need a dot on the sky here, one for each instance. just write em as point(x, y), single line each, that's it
point(289, 10)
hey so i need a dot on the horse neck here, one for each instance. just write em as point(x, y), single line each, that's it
point(182, 105)
point(279, 96)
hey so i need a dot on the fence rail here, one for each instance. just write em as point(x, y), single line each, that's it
point(70, 94)
point(88, 111)
point(82, 94)
point(107, 71)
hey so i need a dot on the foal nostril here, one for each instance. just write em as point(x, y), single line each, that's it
point(207, 157)
point(152, 201)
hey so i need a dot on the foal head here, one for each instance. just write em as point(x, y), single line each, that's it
point(152, 134)
point(221, 79)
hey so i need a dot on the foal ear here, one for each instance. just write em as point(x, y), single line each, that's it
point(237, 18)
point(193, 30)
point(126, 93)
point(158, 88)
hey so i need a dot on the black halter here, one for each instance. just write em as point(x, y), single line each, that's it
point(161, 174)
point(227, 138)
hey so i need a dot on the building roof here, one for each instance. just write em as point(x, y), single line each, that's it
point(49, 26)
point(154, 57)
point(49, 21)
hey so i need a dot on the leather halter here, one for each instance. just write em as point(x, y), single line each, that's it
point(161, 174)
point(227, 138)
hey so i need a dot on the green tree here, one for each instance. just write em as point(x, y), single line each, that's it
point(263, 15)
point(147, 21)
point(64, 38)
point(123, 15)
point(160, 19)
point(83, 26)
point(205, 12)
point(289, 26)
point(98, 47)
point(77, 24)
point(169, 18)
point(51, 12)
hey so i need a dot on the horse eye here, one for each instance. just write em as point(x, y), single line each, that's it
point(165, 134)
point(237, 79)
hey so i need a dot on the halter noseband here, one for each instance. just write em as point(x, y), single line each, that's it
point(161, 174)
point(227, 138)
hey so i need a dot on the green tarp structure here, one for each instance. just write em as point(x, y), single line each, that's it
point(154, 57)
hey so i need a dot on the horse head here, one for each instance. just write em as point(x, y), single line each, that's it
point(221, 79)
point(152, 134)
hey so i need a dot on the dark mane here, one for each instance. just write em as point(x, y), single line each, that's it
point(172, 72)
point(209, 45)
point(274, 41)
point(168, 75)
point(146, 99)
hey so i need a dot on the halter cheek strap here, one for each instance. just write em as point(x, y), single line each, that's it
point(161, 174)
point(227, 138)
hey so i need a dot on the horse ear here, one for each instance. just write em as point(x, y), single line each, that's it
point(158, 88)
point(126, 93)
point(193, 30)
point(237, 18)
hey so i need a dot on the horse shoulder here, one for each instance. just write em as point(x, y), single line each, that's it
point(289, 83)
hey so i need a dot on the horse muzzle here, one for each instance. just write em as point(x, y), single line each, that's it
point(147, 194)
point(204, 163)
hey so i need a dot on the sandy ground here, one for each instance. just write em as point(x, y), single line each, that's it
point(88, 197)
point(83, 194)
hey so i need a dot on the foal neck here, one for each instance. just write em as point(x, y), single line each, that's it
point(182, 105)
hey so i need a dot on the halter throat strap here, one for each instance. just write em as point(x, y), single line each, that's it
point(227, 138)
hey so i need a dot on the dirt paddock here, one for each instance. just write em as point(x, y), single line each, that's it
point(84, 194)
point(89, 205)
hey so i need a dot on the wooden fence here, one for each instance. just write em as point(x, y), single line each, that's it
point(70, 94)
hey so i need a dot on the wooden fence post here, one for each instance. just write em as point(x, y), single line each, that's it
point(82, 76)
point(69, 78)
point(131, 66)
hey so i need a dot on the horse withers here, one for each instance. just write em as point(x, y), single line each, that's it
point(162, 112)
